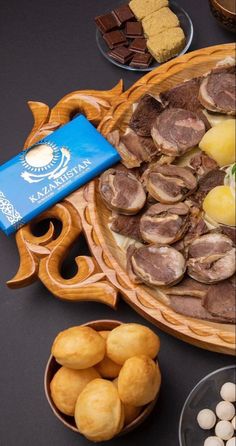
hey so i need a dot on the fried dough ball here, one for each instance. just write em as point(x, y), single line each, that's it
point(107, 368)
point(129, 340)
point(139, 381)
point(99, 413)
point(79, 347)
point(130, 412)
point(66, 386)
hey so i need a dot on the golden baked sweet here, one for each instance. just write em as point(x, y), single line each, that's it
point(79, 347)
point(128, 340)
point(142, 8)
point(158, 21)
point(139, 381)
point(130, 412)
point(99, 413)
point(66, 386)
point(107, 368)
point(166, 44)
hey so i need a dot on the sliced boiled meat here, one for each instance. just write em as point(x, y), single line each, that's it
point(188, 287)
point(218, 92)
point(145, 113)
point(127, 225)
point(157, 266)
point(169, 183)
point(185, 96)
point(121, 191)
point(192, 307)
point(202, 164)
point(175, 131)
point(164, 223)
point(211, 258)
point(220, 300)
point(230, 231)
point(207, 182)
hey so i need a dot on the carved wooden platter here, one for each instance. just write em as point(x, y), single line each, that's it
point(102, 275)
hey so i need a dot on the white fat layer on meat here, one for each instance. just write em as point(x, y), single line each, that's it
point(216, 118)
point(228, 61)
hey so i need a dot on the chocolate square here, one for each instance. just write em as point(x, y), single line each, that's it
point(123, 14)
point(141, 60)
point(133, 29)
point(114, 39)
point(121, 54)
point(106, 22)
point(139, 45)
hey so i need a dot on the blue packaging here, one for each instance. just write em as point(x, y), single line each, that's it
point(51, 169)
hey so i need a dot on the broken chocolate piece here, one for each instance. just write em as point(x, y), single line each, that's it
point(114, 39)
point(141, 60)
point(121, 54)
point(123, 13)
point(133, 29)
point(139, 45)
point(106, 22)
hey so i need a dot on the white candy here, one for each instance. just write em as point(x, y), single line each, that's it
point(231, 442)
point(228, 392)
point(224, 430)
point(225, 410)
point(206, 419)
point(234, 423)
point(213, 441)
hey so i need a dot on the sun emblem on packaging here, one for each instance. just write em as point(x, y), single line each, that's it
point(44, 161)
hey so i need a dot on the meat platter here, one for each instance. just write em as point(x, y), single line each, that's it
point(168, 261)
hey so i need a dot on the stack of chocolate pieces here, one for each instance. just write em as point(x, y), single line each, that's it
point(125, 38)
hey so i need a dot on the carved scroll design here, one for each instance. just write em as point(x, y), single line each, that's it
point(41, 257)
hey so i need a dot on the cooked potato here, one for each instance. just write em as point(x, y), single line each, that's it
point(219, 142)
point(66, 386)
point(219, 205)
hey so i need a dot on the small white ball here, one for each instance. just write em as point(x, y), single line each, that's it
point(225, 410)
point(228, 392)
point(224, 430)
point(234, 423)
point(213, 441)
point(231, 442)
point(206, 419)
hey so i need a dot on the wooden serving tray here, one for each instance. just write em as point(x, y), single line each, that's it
point(101, 276)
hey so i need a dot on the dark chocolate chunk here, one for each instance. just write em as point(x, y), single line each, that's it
point(133, 29)
point(121, 54)
point(106, 22)
point(139, 45)
point(141, 60)
point(123, 14)
point(114, 39)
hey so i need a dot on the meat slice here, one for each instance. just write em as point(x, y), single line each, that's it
point(157, 266)
point(145, 113)
point(192, 307)
point(133, 149)
point(202, 164)
point(185, 96)
point(211, 258)
point(127, 225)
point(188, 287)
point(121, 191)
point(207, 182)
point(175, 131)
point(169, 183)
point(220, 300)
point(218, 92)
point(164, 223)
point(230, 231)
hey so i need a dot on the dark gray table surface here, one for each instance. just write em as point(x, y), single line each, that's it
point(47, 49)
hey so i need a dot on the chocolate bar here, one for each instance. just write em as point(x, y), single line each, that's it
point(106, 22)
point(114, 39)
point(133, 29)
point(121, 54)
point(123, 14)
point(141, 60)
point(139, 45)
point(44, 174)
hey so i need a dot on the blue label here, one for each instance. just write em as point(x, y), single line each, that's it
point(44, 174)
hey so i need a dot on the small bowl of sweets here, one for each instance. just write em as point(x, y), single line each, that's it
point(140, 35)
point(102, 378)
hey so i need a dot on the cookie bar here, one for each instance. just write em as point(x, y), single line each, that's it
point(158, 21)
point(166, 44)
point(142, 8)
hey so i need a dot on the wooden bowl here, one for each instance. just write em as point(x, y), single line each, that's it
point(52, 367)
point(225, 12)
